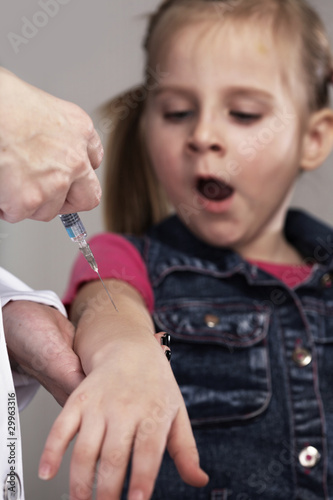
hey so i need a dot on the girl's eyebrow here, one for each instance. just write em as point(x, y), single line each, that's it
point(252, 92)
point(231, 92)
point(175, 89)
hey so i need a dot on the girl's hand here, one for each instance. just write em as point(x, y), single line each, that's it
point(129, 406)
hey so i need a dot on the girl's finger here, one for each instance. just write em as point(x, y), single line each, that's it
point(183, 450)
point(114, 460)
point(149, 447)
point(62, 432)
point(85, 456)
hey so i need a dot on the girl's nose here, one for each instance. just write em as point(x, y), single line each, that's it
point(205, 137)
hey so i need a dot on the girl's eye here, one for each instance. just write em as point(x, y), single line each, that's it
point(177, 116)
point(245, 117)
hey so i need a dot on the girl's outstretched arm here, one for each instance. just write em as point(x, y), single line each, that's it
point(128, 406)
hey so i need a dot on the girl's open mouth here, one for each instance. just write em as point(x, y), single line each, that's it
point(214, 189)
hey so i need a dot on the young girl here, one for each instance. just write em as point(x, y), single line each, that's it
point(233, 109)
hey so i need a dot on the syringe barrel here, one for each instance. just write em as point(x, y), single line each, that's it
point(74, 227)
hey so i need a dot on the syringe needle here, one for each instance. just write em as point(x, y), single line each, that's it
point(86, 250)
point(107, 291)
point(76, 231)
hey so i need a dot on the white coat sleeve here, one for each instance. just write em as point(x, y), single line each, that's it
point(12, 288)
point(11, 472)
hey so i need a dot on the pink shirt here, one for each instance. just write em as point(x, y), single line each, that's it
point(291, 275)
point(117, 258)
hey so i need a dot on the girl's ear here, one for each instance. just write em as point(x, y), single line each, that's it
point(318, 139)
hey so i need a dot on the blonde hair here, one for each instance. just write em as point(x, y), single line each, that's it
point(134, 198)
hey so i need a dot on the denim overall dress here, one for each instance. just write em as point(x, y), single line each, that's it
point(254, 361)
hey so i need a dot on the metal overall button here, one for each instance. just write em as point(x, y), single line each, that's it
point(302, 357)
point(309, 457)
point(211, 320)
point(12, 487)
point(327, 280)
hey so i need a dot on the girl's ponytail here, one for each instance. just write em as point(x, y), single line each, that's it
point(133, 197)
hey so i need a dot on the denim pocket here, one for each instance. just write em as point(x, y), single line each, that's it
point(219, 357)
point(320, 317)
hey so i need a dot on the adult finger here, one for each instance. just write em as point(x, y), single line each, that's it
point(49, 209)
point(95, 150)
point(63, 388)
point(69, 381)
point(59, 395)
point(84, 194)
point(28, 198)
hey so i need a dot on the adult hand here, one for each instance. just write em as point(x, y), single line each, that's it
point(40, 339)
point(48, 152)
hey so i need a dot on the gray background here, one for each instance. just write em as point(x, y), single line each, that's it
point(87, 52)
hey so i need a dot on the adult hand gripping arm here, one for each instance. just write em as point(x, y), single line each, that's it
point(40, 341)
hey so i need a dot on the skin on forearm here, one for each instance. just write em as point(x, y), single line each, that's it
point(100, 327)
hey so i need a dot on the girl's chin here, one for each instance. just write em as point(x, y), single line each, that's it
point(217, 234)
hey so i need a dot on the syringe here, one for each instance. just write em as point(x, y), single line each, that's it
point(77, 233)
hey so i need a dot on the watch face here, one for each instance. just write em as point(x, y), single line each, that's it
point(12, 489)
